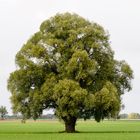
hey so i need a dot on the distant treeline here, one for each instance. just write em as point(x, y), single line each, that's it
point(129, 116)
point(48, 116)
point(52, 116)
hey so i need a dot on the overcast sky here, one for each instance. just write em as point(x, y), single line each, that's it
point(19, 19)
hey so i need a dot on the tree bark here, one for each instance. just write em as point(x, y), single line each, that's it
point(70, 125)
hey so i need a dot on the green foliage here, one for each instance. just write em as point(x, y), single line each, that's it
point(3, 112)
point(106, 102)
point(69, 66)
point(69, 98)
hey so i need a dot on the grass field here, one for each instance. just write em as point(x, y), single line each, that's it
point(88, 130)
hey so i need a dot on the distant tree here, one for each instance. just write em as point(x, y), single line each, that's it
point(134, 116)
point(69, 66)
point(3, 112)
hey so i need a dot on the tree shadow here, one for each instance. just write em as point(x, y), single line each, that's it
point(37, 132)
point(109, 131)
point(61, 132)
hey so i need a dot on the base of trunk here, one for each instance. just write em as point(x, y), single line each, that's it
point(70, 125)
point(69, 128)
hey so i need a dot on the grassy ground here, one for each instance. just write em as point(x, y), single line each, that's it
point(89, 130)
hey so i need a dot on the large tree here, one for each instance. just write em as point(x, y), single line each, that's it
point(3, 112)
point(68, 65)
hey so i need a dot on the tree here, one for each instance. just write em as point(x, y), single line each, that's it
point(134, 116)
point(3, 112)
point(68, 65)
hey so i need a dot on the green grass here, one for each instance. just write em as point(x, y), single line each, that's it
point(88, 130)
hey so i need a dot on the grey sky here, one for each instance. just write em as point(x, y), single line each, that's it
point(19, 19)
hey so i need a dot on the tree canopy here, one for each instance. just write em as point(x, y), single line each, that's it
point(68, 65)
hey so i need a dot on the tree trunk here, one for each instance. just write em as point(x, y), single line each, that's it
point(70, 125)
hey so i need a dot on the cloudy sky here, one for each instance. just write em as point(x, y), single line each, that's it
point(19, 19)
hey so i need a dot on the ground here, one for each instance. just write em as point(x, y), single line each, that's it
point(52, 130)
